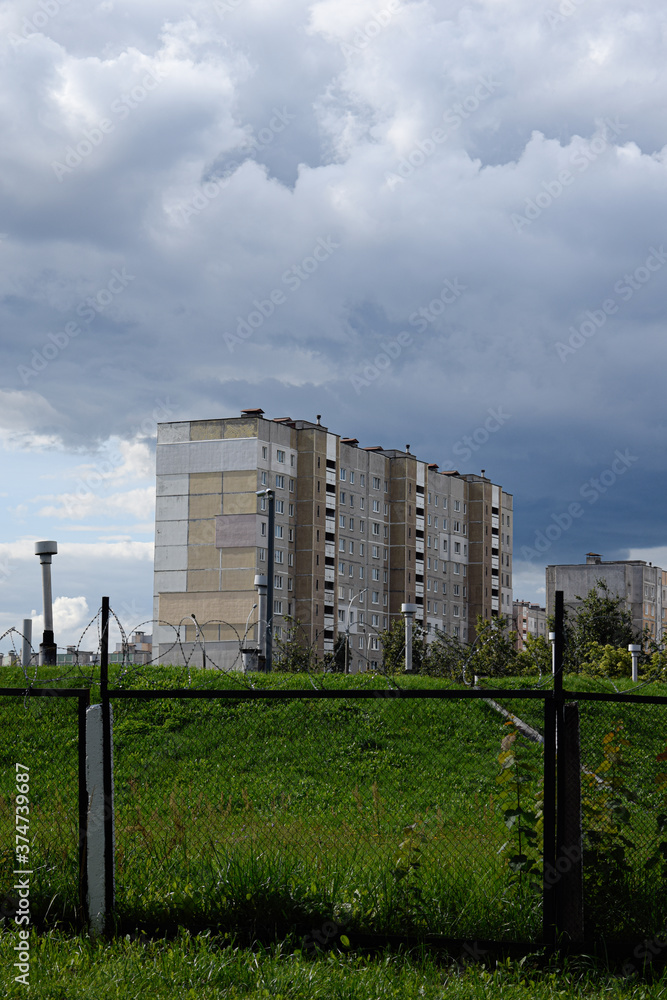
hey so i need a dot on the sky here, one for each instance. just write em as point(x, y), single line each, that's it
point(433, 223)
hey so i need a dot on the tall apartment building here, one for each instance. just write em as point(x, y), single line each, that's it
point(358, 532)
point(642, 586)
point(528, 619)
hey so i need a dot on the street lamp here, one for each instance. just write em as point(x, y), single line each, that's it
point(347, 630)
point(48, 650)
point(409, 610)
point(635, 651)
point(270, 555)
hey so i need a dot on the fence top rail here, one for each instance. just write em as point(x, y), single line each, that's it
point(624, 696)
point(22, 692)
point(254, 694)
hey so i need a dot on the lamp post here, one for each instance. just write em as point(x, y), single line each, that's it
point(552, 640)
point(409, 610)
point(47, 649)
point(635, 651)
point(347, 630)
point(270, 555)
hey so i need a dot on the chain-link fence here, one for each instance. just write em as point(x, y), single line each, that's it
point(624, 817)
point(42, 805)
point(378, 811)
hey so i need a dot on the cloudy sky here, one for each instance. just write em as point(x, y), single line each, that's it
point(419, 219)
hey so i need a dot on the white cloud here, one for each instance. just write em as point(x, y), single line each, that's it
point(69, 614)
point(139, 503)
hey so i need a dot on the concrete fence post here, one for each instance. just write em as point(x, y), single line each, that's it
point(99, 892)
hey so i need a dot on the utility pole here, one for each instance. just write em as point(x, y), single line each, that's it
point(270, 555)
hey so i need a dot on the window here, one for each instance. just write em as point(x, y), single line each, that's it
point(385, 531)
point(292, 460)
point(279, 531)
point(428, 606)
point(436, 499)
point(435, 586)
point(456, 525)
point(435, 525)
point(262, 527)
point(350, 570)
point(262, 503)
point(444, 503)
point(290, 534)
point(343, 475)
point(351, 548)
point(262, 554)
point(351, 500)
point(291, 510)
point(457, 547)
point(361, 548)
point(277, 607)
point(428, 584)
point(428, 520)
point(351, 524)
point(386, 509)
point(341, 567)
point(456, 611)
point(457, 568)
point(375, 597)
point(362, 479)
point(374, 645)
point(362, 503)
point(280, 506)
point(376, 506)
point(280, 482)
point(290, 583)
point(361, 616)
point(361, 642)
point(263, 479)
point(386, 486)
point(361, 572)
point(375, 574)
point(376, 528)
point(341, 615)
point(291, 486)
point(457, 505)
point(341, 593)
point(376, 483)
point(351, 477)
point(456, 590)
point(279, 556)
point(280, 455)
point(278, 582)
point(342, 497)
point(376, 552)
point(375, 621)
point(428, 562)
point(264, 452)
point(341, 545)
point(384, 600)
point(341, 520)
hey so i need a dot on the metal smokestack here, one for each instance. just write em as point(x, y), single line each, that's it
point(47, 650)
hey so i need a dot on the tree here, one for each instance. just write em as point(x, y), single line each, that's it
point(600, 620)
point(393, 647)
point(494, 653)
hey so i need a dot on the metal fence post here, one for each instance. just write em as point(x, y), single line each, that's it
point(107, 765)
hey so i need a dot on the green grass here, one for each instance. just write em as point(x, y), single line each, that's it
point(267, 818)
point(206, 968)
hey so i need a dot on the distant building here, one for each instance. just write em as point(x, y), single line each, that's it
point(528, 619)
point(642, 586)
point(85, 657)
point(358, 532)
point(138, 650)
